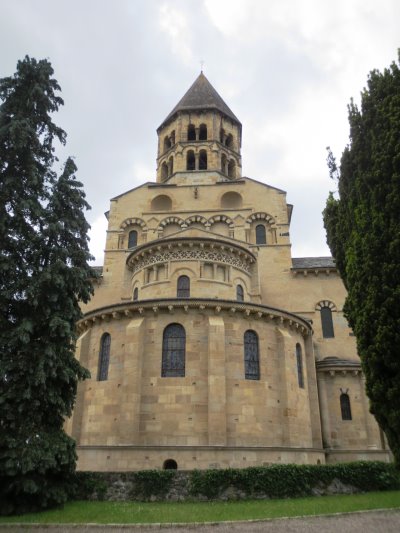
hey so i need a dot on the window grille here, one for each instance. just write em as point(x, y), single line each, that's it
point(104, 357)
point(251, 355)
point(173, 351)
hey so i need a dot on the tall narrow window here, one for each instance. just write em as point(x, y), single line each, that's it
point(190, 160)
point(261, 237)
point(229, 141)
point(203, 132)
point(251, 356)
point(239, 293)
point(231, 168)
point(345, 406)
point(135, 294)
point(104, 357)
point(299, 361)
point(183, 287)
point(203, 160)
point(191, 132)
point(132, 240)
point(173, 351)
point(327, 323)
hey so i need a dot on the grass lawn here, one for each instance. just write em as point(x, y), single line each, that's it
point(137, 512)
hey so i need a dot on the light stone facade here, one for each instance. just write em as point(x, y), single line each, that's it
point(230, 236)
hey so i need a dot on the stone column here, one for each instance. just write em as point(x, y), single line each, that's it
point(216, 382)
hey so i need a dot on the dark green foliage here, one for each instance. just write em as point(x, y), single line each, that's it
point(43, 275)
point(363, 232)
point(276, 481)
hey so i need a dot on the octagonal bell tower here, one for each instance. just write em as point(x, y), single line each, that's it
point(200, 135)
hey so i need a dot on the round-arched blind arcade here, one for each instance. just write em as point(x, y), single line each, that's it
point(173, 351)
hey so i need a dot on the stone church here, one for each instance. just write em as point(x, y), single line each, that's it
point(209, 346)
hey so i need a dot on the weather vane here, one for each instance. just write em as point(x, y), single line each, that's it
point(202, 64)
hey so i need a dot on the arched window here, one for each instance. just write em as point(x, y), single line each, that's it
point(132, 239)
point(231, 168)
point(104, 357)
point(239, 293)
point(191, 132)
point(167, 143)
point(251, 356)
point(203, 132)
point(261, 237)
point(172, 137)
point(299, 361)
point(173, 351)
point(170, 464)
point(170, 166)
point(327, 323)
point(183, 287)
point(229, 141)
point(222, 135)
point(190, 160)
point(164, 171)
point(345, 406)
point(223, 163)
point(135, 294)
point(203, 160)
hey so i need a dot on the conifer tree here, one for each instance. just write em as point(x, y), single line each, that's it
point(44, 273)
point(363, 231)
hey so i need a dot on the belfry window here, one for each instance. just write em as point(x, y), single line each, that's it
point(251, 355)
point(191, 132)
point(261, 237)
point(164, 171)
point(345, 406)
point(104, 357)
point(203, 160)
point(135, 294)
point(231, 168)
point(167, 143)
point(223, 163)
point(173, 351)
point(190, 160)
point(299, 362)
point(203, 132)
point(183, 287)
point(132, 239)
point(229, 141)
point(327, 323)
point(239, 293)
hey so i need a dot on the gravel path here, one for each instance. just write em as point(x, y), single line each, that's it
point(385, 521)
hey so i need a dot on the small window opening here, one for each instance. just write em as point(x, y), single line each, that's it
point(135, 294)
point(190, 161)
point(183, 287)
point(231, 168)
point(261, 237)
point(223, 163)
point(164, 171)
point(191, 132)
point(132, 239)
point(222, 135)
point(167, 143)
point(327, 323)
point(229, 141)
point(251, 355)
point(170, 166)
point(239, 293)
point(170, 464)
point(203, 160)
point(345, 406)
point(104, 357)
point(203, 132)
point(299, 361)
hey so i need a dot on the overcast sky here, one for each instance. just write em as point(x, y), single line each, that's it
point(286, 68)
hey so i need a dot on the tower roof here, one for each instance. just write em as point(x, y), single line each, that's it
point(201, 95)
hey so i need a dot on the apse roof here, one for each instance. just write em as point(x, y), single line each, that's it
point(201, 95)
